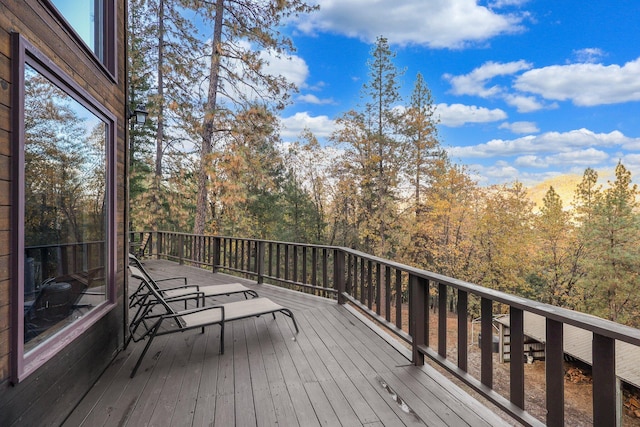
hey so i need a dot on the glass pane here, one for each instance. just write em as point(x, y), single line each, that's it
point(87, 19)
point(65, 216)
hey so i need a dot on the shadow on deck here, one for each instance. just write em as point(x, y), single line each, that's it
point(337, 371)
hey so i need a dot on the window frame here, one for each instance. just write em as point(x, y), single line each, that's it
point(109, 27)
point(25, 53)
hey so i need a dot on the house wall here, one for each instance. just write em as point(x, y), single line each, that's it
point(47, 395)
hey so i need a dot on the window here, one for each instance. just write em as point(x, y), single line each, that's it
point(93, 22)
point(65, 180)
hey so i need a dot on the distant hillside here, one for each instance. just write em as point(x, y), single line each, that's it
point(565, 186)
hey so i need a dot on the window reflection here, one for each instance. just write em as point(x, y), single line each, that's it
point(87, 19)
point(65, 209)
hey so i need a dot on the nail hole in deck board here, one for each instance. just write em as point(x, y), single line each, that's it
point(399, 401)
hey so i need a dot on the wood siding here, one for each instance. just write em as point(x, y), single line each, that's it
point(62, 381)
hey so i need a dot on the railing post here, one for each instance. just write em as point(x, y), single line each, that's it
point(260, 261)
point(417, 288)
point(338, 274)
point(605, 394)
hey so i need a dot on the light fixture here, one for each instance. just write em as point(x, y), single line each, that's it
point(140, 113)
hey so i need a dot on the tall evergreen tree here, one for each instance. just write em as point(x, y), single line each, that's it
point(242, 31)
point(372, 150)
point(424, 159)
point(558, 252)
point(612, 238)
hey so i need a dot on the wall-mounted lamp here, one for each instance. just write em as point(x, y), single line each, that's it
point(140, 113)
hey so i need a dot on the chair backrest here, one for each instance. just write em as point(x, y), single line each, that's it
point(150, 288)
point(144, 318)
point(136, 263)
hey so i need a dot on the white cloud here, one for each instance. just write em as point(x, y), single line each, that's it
point(292, 126)
point(434, 23)
point(291, 67)
point(588, 55)
point(474, 82)
point(504, 3)
point(312, 99)
point(632, 163)
point(499, 172)
point(520, 127)
point(584, 84)
point(577, 158)
point(549, 142)
point(456, 115)
point(524, 104)
point(531, 161)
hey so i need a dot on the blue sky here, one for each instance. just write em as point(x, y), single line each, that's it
point(525, 90)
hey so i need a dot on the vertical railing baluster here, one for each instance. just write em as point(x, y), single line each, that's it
point(338, 274)
point(278, 260)
point(362, 279)
point(554, 367)
point(270, 258)
point(418, 288)
point(378, 289)
point(216, 253)
point(314, 266)
point(463, 329)
point(325, 268)
point(387, 293)
point(486, 348)
point(399, 298)
point(260, 261)
point(349, 281)
point(305, 279)
point(516, 366)
point(605, 393)
point(369, 283)
point(442, 320)
point(286, 261)
point(295, 263)
point(181, 248)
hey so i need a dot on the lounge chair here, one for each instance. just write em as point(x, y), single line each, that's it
point(146, 323)
point(186, 292)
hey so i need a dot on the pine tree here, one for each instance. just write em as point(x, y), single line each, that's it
point(611, 235)
point(558, 253)
point(238, 72)
point(372, 151)
point(424, 159)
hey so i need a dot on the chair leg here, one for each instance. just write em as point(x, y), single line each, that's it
point(126, 344)
point(146, 347)
point(292, 317)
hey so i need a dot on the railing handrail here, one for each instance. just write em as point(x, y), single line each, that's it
point(581, 320)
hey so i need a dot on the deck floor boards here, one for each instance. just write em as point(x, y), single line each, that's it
point(332, 373)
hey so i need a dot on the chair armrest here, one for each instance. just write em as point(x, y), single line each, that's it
point(184, 279)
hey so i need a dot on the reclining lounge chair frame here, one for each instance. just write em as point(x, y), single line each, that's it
point(191, 319)
point(186, 292)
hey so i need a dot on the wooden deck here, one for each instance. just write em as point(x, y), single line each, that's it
point(337, 371)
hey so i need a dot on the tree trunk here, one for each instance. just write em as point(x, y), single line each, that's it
point(208, 124)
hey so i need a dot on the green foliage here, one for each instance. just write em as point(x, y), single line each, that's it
point(611, 234)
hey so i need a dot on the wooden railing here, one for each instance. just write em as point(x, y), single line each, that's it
point(401, 298)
